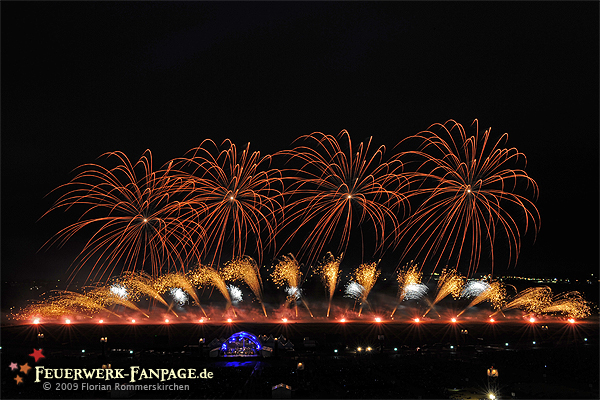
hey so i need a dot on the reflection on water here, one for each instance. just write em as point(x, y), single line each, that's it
point(238, 364)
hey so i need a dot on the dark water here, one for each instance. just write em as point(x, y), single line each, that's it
point(407, 360)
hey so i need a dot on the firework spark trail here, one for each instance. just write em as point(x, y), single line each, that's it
point(531, 300)
point(140, 284)
point(450, 282)
point(287, 271)
point(338, 188)
point(408, 276)
point(569, 304)
point(245, 269)
point(495, 294)
point(174, 280)
point(238, 195)
point(366, 275)
point(467, 191)
point(107, 296)
point(329, 271)
point(208, 276)
point(45, 309)
point(84, 302)
point(143, 219)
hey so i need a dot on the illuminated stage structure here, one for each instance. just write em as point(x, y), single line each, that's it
point(242, 344)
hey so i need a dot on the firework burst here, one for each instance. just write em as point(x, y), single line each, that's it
point(354, 290)
point(467, 191)
point(105, 295)
point(450, 282)
point(246, 270)
point(409, 284)
point(176, 280)
point(238, 196)
point(235, 293)
point(474, 289)
point(494, 294)
point(569, 304)
point(340, 187)
point(207, 276)
point(366, 275)
point(141, 285)
point(329, 272)
point(141, 218)
point(531, 300)
point(287, 272)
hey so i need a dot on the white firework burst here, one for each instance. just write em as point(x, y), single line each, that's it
point(235, 293)
point(474, 289)
point(294, 292)
point(354, 290)
point(415, 291)
point(119, 291)
point(179, 295)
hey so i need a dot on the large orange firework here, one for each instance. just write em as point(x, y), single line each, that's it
point(337, 188)
point(140, 219)
point(467, 191)
point(239, 196)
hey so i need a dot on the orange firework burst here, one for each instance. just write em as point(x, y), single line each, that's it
point(238, 197)
point(366, 275)
point(329, 271)
point(450, 282)
point(408, 277)
point(142, 218)
point(178, 280)
point(208, 276)
point(287, 271)
point(569, 304)
point(531, 300)
point(339, 187)
point(141, 284)
point(494, 294)
point(467, 191)
point(245, 269)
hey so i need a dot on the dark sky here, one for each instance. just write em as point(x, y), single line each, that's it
point(81, 79)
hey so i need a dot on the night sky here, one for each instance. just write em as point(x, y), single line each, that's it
point(81, 79)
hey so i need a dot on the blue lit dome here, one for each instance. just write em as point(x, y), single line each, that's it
point(241, 344)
